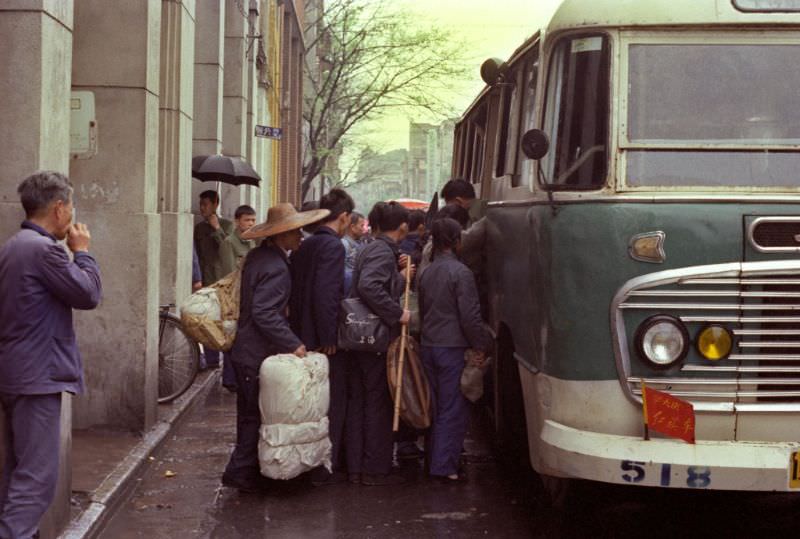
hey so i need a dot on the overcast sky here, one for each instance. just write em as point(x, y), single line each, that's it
point(493, 28)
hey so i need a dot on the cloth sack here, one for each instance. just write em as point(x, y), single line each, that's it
point(294, 396)
point(209, 315)
point(359, 329)
point(472, 375)
point(415, 398)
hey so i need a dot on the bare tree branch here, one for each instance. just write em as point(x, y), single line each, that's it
point(375, 58)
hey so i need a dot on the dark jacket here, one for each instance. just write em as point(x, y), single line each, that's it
point(378, 283)
point(317, 288)
point(263, 328)
point(450, 313)
point(412, 246)
point(39, 287)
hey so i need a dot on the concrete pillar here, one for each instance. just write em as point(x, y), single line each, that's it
point(175, 148)
point(36, 45)
point(234, 102)
point(209, 73)
point(116, 55)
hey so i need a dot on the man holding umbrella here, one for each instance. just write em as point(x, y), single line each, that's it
point(208, 237)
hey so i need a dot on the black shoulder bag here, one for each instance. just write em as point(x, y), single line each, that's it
point(360, 329)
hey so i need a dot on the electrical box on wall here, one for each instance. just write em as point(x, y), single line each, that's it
point(82, 126)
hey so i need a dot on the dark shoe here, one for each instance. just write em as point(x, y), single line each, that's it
point(379, 480)
point(320, 480)
point(409, 451)
point(447, 480)
point(246, 486)
point(354, 478)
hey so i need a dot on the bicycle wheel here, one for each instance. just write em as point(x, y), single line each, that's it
point(178, 358)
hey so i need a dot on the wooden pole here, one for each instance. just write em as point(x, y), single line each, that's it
point(403, 338)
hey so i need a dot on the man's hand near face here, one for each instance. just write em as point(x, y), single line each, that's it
point(213, 220)
point(78, 238)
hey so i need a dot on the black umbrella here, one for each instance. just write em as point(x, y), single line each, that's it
point(223, 168)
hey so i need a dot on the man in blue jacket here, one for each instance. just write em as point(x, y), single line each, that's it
point(39, 358)
point(317, 291)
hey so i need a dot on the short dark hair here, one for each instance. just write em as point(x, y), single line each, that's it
point(392, 217)
point(338, 202)
point(244, 209)
point(446, 234)
point(42, 188)
point(457, 187)
point(415, 219)
point(355, 217)
point(375, 213)
point(455, 212)
point(211, 195)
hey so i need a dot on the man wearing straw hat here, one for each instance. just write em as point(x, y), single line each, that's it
point(263, 330)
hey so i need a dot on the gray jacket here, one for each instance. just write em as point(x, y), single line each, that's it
point(378, 283)
point(450, 313)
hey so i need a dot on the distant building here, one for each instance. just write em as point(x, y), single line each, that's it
point(430, 157)
point(379, 177)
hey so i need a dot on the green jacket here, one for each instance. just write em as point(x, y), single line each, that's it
point(208, 242)
point(233, 248)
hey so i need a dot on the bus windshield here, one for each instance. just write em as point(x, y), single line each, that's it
point(713, 115)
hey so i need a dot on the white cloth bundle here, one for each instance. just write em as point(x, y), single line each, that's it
point(293, 398)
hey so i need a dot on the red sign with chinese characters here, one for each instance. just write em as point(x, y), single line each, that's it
point(667, 414)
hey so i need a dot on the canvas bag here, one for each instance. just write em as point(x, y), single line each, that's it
point(209, 315)
point(294, 396)
point(415, 398)
point(472, 376)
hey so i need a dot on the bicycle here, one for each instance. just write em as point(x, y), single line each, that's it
point(178, 356)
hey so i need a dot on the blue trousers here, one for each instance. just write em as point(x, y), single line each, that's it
point(212, 357)
point(450, 408)
point(243, 465)
point(369, 415)
point(30, 472)
point(338, 371)
point(228, 374)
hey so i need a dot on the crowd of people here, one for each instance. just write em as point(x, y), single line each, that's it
point(296, 268)
point(292, 287)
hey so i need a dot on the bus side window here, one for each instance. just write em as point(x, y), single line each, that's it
point(576, 114)
point(527, 121)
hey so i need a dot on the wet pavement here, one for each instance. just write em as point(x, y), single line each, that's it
point(179, 495)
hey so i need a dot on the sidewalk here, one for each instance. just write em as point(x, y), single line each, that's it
point(104, 461)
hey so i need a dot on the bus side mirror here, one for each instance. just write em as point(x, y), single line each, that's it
point(535, 144)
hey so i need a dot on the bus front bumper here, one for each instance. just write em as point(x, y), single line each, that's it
point(722, 465)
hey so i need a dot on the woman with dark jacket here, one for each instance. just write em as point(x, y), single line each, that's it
point(378, 283)
point(451, 323)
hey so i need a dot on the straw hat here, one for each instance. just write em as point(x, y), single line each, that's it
point(282, 218)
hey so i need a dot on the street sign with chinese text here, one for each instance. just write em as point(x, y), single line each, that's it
point(269, 132)
point(667, 414)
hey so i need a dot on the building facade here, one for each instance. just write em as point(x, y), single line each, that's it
point(430, 157)
point(170, 79)
point(379, 176)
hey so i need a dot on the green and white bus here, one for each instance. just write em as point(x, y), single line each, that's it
point(638, 164)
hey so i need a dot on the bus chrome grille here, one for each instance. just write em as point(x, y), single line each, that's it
point(759, 302)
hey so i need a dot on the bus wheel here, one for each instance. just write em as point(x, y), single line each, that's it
point(556, 490)
point(509, 407)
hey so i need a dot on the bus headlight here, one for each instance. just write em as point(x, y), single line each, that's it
point(662, 340)
point(714, 342)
